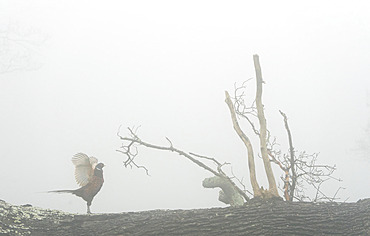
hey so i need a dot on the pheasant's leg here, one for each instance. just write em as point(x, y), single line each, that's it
point(88, 209)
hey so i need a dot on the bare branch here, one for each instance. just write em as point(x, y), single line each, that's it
point(172, 149)
point(135, 140)
point(171, 145)
point(302, 169)
point(292, 158)
point(263, 128)
point(130, 151)
point(243, 110)
point(247, 143)
point(286, 178)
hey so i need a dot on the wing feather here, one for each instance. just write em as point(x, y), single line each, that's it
point(93, 162)
point(84, 168)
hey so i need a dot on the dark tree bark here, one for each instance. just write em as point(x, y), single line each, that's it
point(257, 217)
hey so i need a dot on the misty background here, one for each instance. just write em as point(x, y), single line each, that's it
point(81, 69)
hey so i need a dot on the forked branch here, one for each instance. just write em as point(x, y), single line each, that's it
point(231, 192)
point(248, 145)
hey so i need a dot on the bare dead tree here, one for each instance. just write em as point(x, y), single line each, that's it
point(298, 170)
point(256, 110)
point(230, 193)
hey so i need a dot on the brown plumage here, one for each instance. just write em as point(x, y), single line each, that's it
point(89, 175)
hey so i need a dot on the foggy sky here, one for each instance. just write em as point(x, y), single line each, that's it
point(164, 66)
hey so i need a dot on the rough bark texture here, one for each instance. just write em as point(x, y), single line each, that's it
point(257, 217)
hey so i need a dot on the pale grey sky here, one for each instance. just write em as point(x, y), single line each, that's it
point(165, 65)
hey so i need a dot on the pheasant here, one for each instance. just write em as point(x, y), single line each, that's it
point(89, 175)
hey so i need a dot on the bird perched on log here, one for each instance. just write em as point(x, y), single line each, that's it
point(89, 175)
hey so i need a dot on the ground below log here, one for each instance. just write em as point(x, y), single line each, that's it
point(257, 217)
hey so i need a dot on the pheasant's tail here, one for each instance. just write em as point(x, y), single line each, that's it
point(61, 191)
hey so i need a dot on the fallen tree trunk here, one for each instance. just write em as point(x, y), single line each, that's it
point(257, 217)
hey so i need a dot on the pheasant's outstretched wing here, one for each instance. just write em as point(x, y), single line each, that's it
point(84, 168)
